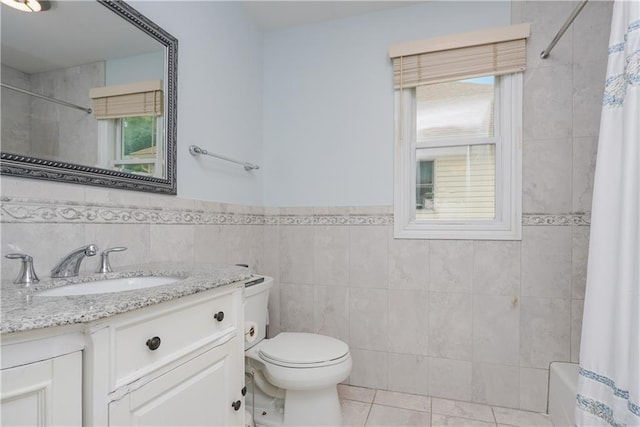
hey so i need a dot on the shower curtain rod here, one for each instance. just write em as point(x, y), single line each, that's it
point(46, 98)
point(545, 53)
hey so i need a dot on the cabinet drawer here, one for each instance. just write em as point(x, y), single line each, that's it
point(200, 392)
point(165, 334)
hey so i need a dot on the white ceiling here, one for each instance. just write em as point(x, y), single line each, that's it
point(274, 15)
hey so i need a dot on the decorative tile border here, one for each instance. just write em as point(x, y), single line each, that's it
point(568, 219)
point(17, 210)
point(355, 219)
point(30, 211)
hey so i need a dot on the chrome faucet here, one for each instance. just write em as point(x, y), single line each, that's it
point(69, 266)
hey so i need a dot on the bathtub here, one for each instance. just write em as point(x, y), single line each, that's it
point(563, 384)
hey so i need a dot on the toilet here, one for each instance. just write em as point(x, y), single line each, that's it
point(291, 378)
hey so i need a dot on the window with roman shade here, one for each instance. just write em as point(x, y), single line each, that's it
point(458, 135)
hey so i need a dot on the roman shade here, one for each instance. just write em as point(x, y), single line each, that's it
point(128, 100)
point(489, 52)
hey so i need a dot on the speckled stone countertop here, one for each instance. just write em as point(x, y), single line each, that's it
point(21, 309)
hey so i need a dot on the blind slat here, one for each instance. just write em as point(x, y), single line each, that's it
point(456, 64)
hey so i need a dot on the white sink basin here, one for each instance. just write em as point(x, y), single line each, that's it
point(109, 285)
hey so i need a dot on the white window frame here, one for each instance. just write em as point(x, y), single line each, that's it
point(507, 224)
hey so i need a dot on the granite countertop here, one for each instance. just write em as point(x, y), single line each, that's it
point(22, 310)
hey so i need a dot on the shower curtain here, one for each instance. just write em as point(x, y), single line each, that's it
point(609, 374)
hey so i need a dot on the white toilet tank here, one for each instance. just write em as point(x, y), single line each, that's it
point(256, 299)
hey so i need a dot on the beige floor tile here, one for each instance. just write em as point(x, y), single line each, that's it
point(446, 420)
point(354, 413)
point(519, 418)
point(456, 408)
point(387, 416)
point(413, 402)
point(361, 394)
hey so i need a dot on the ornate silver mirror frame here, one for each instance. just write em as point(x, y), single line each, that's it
point(36, 168)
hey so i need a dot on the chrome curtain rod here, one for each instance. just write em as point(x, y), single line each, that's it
point(195, 150)
point(46, 98)
point(545, 53)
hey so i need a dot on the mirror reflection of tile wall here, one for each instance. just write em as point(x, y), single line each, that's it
point(47, 130)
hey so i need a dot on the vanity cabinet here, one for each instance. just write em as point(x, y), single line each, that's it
point(43, 393)
point(175, 363)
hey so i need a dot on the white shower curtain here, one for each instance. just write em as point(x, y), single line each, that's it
point(609, 379)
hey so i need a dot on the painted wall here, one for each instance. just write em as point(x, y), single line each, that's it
point(219, 96)
point(328, 101)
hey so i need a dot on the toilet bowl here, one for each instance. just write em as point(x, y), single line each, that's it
point(293, 376)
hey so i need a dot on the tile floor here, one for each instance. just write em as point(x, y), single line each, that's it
point(369, 407)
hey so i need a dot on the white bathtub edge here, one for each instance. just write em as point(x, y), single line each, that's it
point(563, 384)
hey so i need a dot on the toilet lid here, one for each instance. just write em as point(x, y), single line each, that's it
point(302, 348)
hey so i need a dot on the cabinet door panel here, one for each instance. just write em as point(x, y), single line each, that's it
point(46, 393)
point(194, 394)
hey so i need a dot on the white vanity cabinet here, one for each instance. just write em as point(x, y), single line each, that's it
point(175, 363)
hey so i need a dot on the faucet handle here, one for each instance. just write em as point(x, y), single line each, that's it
point(105, 266)
point(27, 274)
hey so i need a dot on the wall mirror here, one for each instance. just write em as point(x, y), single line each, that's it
point(89, 96)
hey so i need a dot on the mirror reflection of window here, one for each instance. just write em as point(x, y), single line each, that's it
point(130, 127)
point(136, 145)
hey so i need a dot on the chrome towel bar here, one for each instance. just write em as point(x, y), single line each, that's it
point(195, 151)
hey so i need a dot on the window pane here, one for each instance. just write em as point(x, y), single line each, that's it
point(139, 137)
point(457, 109)
point(462, 183)
point(424, 184)
point(139, 168)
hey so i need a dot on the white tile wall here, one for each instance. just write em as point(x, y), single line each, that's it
point(496, 329)
point(533, 389)
point(368, 257)
point(545, 331)
point(546, 261)
point(495, 384)
point(450, 378)
point(408, 308)
point(408, 373)
point(546, 177)
point(450, 265)
point(331, 311)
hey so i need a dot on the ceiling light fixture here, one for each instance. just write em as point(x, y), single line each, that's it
point(28, 5)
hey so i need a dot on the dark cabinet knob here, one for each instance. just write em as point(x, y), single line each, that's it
point(219, 316)
point(244, 391)
point(153, 343)
point(236, 405)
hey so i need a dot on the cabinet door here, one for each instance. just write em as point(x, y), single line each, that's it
point(47, 393)
point(197, 393)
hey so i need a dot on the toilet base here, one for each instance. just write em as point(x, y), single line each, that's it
point(299, 408)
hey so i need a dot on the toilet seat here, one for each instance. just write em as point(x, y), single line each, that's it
point(303, 350)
